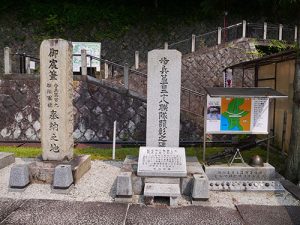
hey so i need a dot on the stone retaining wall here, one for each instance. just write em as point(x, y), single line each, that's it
point(97, 104)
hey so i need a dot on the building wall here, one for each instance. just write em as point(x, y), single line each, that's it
point(280, 77)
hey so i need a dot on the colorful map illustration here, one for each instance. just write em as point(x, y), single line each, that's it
point(235, 114)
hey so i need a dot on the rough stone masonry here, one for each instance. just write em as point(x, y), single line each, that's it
point(56, 90)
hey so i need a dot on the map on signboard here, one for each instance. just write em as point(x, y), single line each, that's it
point(235, 114)
point(92, 48)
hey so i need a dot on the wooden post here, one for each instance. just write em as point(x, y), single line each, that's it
point(27, 64)
point(265, 31)
point(7, 61)
point(296, 32)
point(137, 59)
point(193, 42)
point(244, 28)
point(219, 35)
point(105, 70)
point(83, 62)
point(166, 45)
point(126, 75)
point(280, 32)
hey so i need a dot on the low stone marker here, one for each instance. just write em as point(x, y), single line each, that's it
point(124, 184)
point(63, 177)
point(19, 176)
point(56, 107)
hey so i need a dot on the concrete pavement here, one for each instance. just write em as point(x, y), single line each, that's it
point(50, 212)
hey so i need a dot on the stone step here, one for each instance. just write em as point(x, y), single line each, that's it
point(161, 190)
point(162, 180)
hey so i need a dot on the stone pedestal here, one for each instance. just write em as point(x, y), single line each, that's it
point(43, 171)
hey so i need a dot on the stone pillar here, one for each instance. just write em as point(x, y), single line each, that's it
point(126, 76)
point(166, 46)
point(280, 32)
point(193, 42)
point(56, 92)
point(105, 70)
point(244, 28)
point(7, 61)
point(27, 65)
point(136, 59)
point(163, 98)
point(265, 31)
point(83, 62)
point(219, 35)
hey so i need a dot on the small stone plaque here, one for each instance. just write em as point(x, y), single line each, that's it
point(162, 162)
point(224, 172)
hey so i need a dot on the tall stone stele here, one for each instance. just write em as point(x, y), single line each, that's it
point(56, 92)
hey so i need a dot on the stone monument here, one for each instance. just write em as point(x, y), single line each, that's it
point(56, 115)
point(162, 169)
point(56, 108)
point(163, 98)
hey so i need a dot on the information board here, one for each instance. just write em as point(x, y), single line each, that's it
point(92, 48)
point(237, 115)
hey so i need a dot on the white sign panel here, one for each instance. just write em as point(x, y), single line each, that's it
point(237, 115)
point(92, 48)
point(163, 98)
point(156, 161)
point(227, 74)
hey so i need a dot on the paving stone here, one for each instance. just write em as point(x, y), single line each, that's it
point(191, 215)
point(50, 212)
point(269, 215)
point(7, 206)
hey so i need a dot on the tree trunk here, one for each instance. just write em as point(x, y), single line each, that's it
point(293, 162)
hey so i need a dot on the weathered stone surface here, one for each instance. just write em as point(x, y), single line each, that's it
point(137, 185)
point(19, 176)
point(6, 159)
point(163, 98)
point(200, 187)
point(240, 172)
point(63, 177)
point(186, 185)
point(124, 184)
point(162, 162)
point(164, 190)
point(162, 180)
point(56, 99)
point(43, 171)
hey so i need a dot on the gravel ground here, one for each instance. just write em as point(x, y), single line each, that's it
point(99, 185)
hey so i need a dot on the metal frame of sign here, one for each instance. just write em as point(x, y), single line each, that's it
point(236, 93)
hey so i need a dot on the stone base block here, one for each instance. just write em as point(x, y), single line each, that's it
point(63, 177)
point(200, 187)
point(6, 159)
point(43, 171)
point(124, 184)
point(19, 176)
